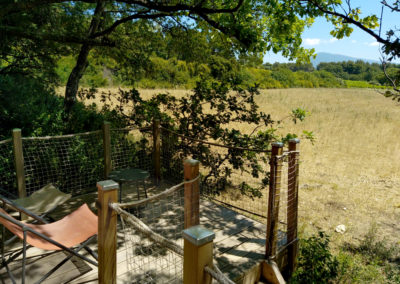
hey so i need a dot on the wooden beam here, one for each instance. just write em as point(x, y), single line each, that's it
point(292, 210)
point(273, 200)
point(107, 234)
point(107, 149)
point(192, 193)
point(271, 273)
point(198, 253)
point(19, 162)
point(156, 150)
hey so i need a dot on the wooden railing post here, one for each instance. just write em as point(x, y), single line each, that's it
point(19, 162)
point(192, 193)
point(107, 234)
point(197, 254)
point(273, 199)
point(107, 148)
point(156, 150)
point(292, 210)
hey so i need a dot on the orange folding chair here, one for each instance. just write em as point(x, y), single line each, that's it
point(71, 234)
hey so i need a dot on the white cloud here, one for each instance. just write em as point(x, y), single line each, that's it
point(375, 43)
point(333, 40)
point(353, 41)
point(312, 41)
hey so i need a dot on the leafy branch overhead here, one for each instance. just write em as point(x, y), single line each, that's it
point(218, 110)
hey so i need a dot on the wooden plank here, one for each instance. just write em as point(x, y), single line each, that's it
point(19, 161)
point(107, 235)
point(271, 273)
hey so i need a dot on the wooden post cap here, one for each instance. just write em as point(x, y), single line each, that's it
point(198, 235)
point(277, 144)
point(106, 185)
point(16, 130)
point(191, 162)
point(294, 140)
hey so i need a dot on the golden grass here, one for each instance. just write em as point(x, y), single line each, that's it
point(351, 175)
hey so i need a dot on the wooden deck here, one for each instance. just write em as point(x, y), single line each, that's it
point(238, 246)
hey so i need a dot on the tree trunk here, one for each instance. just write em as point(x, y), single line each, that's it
point(77, 72)
point(71, 88)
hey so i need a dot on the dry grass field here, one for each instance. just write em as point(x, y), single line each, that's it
point(351, 175)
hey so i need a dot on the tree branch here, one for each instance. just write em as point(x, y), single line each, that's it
point(393, 8)
point(350, 21)
point(127, 19)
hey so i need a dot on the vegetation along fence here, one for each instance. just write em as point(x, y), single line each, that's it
point(261, 184)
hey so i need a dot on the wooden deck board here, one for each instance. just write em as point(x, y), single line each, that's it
point(239, 244)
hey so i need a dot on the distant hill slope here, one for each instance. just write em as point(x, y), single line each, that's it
point(331, 57)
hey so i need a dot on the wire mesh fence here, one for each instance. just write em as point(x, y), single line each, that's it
point(148, 260)
point(132, 148)
point(239, 179)
point(73, 163)
point(7, 171)
point(233, 177)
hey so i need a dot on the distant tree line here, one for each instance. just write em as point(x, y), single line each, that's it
point(171, 70)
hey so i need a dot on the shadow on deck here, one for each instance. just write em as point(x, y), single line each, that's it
point(239, 245)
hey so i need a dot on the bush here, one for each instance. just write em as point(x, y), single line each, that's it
point(28, 104)
point(316, 263)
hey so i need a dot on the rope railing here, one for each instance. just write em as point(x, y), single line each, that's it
point(216, 144)
point(216, 273)
point(144, 229)
point(62, 136)
point(130, 128)
point(158, 196)
point(5, 141)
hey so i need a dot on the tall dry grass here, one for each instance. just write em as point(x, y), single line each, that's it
point(351, 175)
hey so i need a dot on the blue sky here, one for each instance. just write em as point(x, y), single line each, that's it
point(359, 44)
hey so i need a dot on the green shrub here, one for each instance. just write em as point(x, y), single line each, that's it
point(28, 104)
point(316, 264)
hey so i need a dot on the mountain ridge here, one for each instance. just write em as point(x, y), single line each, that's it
point(333, 57)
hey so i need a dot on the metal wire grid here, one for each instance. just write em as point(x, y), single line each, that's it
point(73, 163)
point(172, 157)
point(287, 198)
point(147, 261)
point(132, 148)
point(228, 189)
point(7, 171)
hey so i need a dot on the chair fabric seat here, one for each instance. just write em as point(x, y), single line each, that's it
point(43, 200)
point(70, 231)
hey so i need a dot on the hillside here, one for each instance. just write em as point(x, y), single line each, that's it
point(331, 57)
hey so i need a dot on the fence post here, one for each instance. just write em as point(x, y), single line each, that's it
point(192, 193)
point(107, 232)
point(19, 161)
point(197, 254)
point(156, 150)
point(273, 199)
point(293, 188)
point(107, 148)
